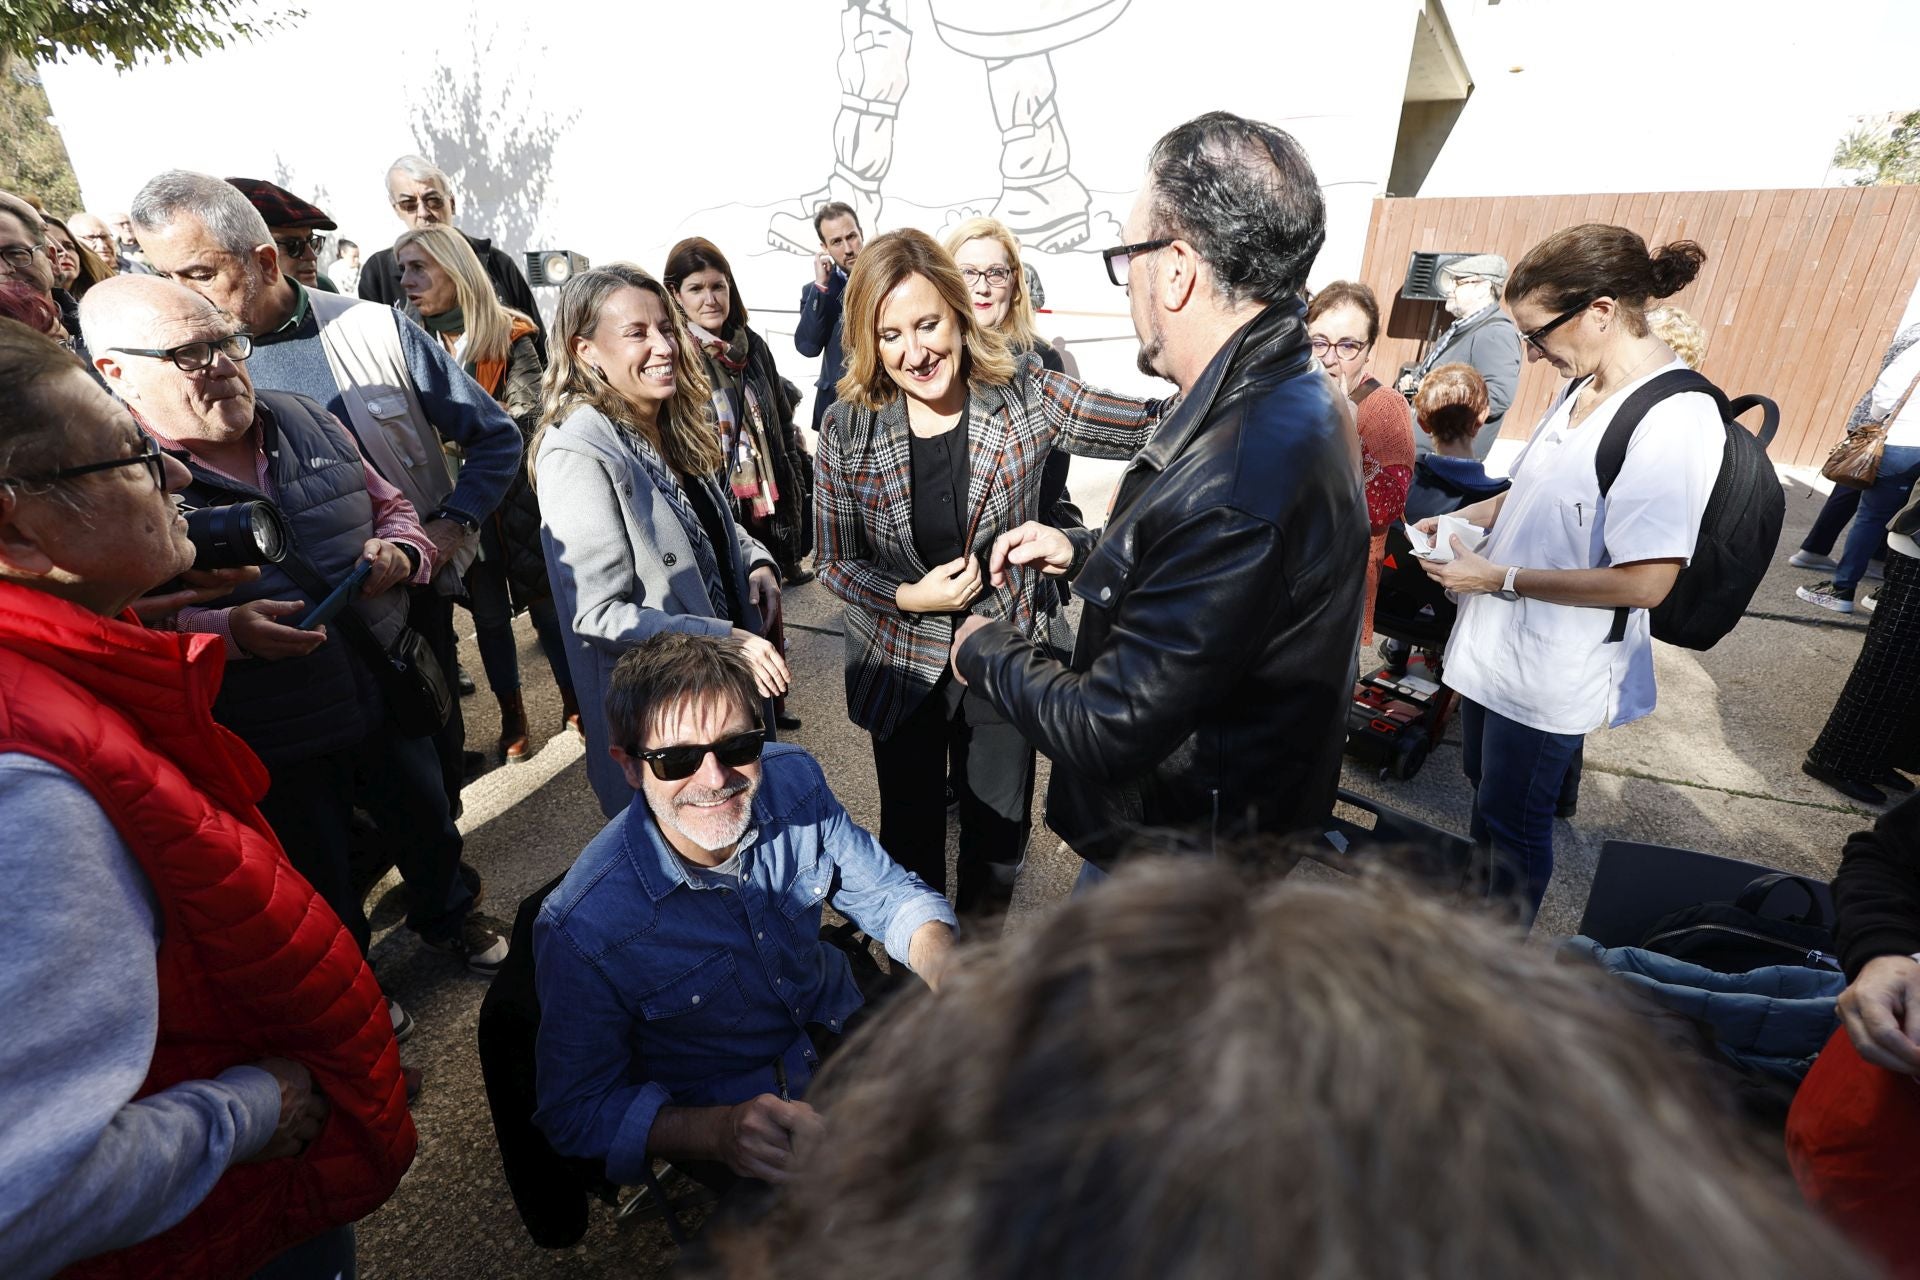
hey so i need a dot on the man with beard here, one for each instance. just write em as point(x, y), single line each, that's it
point(1209, 687)
point(817, 331)
point(687, 994)
point(1481, 335)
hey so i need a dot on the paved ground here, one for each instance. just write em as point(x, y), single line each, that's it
point(1715, 768)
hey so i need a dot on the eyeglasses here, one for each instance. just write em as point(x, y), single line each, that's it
point(1532, 339)
point(191, 357)
point(147, 454)
point(19, 257)
point(1120, 257)
point(432, 200)
point(1345, 349)
point(995, 276)
point(301, 246)
point(670, 764)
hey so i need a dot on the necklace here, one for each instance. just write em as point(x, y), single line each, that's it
point(1588, 400)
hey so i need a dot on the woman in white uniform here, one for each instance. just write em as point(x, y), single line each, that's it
point(1531, 655)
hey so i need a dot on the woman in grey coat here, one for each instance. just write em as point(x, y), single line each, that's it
point(639, 537)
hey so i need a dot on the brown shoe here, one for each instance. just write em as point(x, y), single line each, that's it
point(513, 728)
point(570, 709)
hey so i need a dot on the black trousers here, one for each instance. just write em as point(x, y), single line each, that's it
point(1875, 724)
point(431, 614)
point(993, 774)
point(309, 805)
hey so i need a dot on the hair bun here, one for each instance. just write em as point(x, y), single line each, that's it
point(1673, 266)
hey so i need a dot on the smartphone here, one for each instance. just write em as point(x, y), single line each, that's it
point(324, 611)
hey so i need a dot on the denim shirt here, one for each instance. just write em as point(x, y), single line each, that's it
point(663, 985)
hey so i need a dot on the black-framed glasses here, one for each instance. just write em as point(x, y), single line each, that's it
point(670, 764)
point(998, 277)
point(1533, 337)
point(20, 256)
point(300, 246)
point(147, 454)
point(191, 357)
point(1345, 349)
point(1121, 256)
point(432, 200)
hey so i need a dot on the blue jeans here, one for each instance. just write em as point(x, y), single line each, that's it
point(492, 607)
point(328, 1256)
point(1517, 773)
point(1899, 467)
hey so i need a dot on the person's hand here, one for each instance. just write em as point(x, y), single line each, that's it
point(770, 673)
point(1881, 1012)
point(971, 624)
point(763, 590)
point(823, 265)
point(763, 1133)
point(447, 536)
point(303, 1111)
point(1032, 543)
point(197, 586)
point(390, 566)
point(1430, 526)
point(947, 588)
point(1467, 572)
point(254, 628)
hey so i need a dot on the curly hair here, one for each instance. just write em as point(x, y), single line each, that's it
point(1681, 332)
point(1185, 1076)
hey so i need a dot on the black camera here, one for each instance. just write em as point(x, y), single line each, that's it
point(241, 534)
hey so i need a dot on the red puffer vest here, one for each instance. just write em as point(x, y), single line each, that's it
point(252, 963)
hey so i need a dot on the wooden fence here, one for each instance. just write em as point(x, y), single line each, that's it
point(1800, 294)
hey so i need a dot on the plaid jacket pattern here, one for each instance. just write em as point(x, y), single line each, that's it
point(863, 512)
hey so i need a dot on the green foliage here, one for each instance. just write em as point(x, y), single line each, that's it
point(125, 31)
point(33, 159)
point(1886, 155)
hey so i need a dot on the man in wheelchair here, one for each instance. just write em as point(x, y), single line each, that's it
point(685, 991)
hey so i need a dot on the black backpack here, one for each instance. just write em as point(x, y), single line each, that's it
point(1741, 526)
point(1738, 936)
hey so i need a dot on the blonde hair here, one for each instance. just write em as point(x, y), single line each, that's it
point(1681, 332)
point(880, 268)
point(684, 431)
point(489, 325)
point(1018, 327)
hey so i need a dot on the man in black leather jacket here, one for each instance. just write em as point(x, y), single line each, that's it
point(1209, 688)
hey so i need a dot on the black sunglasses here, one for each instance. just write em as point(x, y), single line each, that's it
point(148, 454)
point(1121, 256)
point(301, 246)
point(191, 357)
point(670, 764)
point(1532, 339)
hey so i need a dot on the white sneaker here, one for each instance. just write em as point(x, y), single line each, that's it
point(1827, 597)
point(1808, 560)
point(402, 1021)
point(1869, 601)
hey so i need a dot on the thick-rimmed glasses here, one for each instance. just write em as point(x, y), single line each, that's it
point(1533, 337)
point(19, 257)
point(1344, 350)
point(998, 277)
point(300, 246)
point(192, 357)
point(1120, 257)
point(670, 764)
point(147, 453)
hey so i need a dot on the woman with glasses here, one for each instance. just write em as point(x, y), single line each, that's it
point(1343, 323)
point(449, 295)
point(1481, 335)
point(1535, 654)
point(935, 448)
point(76, 268)
point(639, 535)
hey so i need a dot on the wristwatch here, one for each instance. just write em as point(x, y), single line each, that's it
point(464, 521)
point(412, 553)
point(1506, 588)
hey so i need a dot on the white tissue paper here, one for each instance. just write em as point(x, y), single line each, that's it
point(1440, 548)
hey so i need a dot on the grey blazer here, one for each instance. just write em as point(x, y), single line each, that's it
point(1492, 346)
point(622, 569)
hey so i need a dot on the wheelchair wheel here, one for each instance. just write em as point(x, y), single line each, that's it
point(1410, 755)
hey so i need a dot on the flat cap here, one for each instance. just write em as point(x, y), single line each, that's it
point(1485, 266)
point(281, 208)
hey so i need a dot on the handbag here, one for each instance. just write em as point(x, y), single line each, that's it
point(1855, 461)
point(412, 683)
point(1736, 937)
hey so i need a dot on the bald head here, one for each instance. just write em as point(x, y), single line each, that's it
point(144, 311)
point(209, 405)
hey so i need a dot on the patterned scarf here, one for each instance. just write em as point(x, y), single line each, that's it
point(704, 552)
point(742, 421)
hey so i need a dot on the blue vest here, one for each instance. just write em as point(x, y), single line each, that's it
point(294, 709)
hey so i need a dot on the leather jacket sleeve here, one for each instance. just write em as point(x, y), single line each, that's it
point(1185, 626)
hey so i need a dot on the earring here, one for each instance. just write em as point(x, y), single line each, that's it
point(598, 372)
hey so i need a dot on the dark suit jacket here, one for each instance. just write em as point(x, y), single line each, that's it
point(380, 282)
point(817, 333)
point(1492, 346)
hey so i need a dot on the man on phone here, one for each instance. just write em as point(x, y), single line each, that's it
point(817, 332)
point(304, 700)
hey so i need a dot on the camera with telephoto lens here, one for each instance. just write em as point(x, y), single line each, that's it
point(243, 533)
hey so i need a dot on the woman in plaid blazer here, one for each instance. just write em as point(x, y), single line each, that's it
point(935, 448)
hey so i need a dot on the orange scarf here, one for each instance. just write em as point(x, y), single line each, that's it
point(490, 373)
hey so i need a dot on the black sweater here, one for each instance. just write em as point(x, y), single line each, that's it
point(1877, 889)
